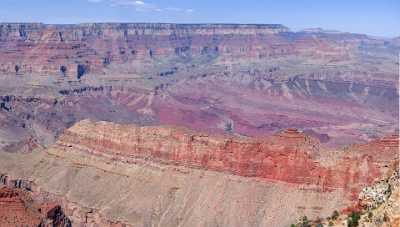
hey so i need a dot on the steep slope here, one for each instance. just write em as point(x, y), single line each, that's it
point(378, 205)
point(172, 176)
point(150, 194)
point(381, 203)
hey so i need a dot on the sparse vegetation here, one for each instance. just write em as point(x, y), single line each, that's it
point(353, 219)
point(305, 222)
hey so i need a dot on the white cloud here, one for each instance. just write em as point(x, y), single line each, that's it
point(142, 6)
point(174, 9)
point(138, 5)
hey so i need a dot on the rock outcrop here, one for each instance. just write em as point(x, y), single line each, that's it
point(378, 206)
point(23, 203)
point(18, 207)
point(13, 211)
point(289, 156)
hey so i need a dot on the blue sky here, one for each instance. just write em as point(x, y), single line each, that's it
point(374, 17)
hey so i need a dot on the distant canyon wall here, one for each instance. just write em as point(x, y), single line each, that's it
point(256, 79)
point(75, 50)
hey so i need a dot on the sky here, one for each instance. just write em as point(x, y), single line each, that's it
point(373, 17)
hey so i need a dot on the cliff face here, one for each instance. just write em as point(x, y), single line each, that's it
point(13, 211)
point(77, 49)
point(289, 156)
point(19, 207)
point(245, 157)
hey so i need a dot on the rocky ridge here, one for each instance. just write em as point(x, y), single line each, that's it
point(24, 203)
point(290, 156)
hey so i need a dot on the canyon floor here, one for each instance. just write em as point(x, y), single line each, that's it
point(195, 125)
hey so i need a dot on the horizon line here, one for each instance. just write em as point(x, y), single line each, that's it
point(318, 29)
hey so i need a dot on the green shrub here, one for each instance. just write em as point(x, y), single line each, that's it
point(353, 219)
point(305, 222)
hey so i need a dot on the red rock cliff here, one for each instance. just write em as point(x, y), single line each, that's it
point(289, 156)
point(13, 211)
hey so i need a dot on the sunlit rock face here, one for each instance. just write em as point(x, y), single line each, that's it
point(289, 156)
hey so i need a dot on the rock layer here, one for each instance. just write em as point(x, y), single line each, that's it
point(79, 49)
point(13, 211)
point(19, 207)
point(289, 156)
point(23, 203)
point(150, 193)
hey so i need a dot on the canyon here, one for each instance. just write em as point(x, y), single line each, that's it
point(144, 124)
point(256, 79)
